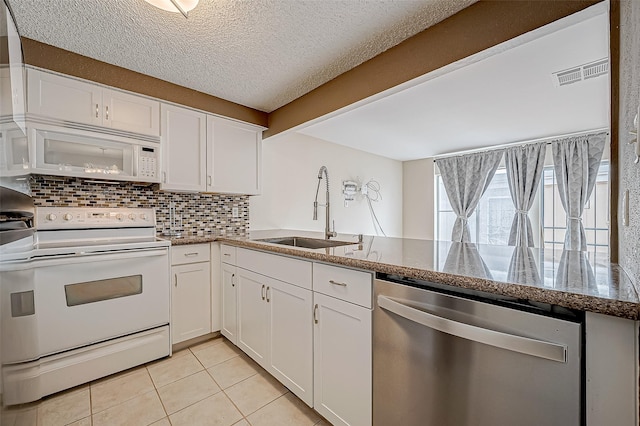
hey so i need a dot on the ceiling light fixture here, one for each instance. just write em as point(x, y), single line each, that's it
point(182, 6)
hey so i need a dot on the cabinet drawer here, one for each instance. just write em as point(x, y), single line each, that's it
point(228, 254)
point(190, 253)
point(292, 271)
point(342, 283)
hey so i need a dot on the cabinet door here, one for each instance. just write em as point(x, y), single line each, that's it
point(184, 144)
point(233, 157)
point(291, 337)
point(229, 303)
point(342, 361)
point(190, 301)
point(63, 98)
point(253, 324)
point(124, 111)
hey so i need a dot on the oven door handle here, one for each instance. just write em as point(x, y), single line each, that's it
point(82, 257)
point(525, 345)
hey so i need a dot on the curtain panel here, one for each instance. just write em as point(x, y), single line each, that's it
point(576, 161)
point(525, 165)
point(465, 179)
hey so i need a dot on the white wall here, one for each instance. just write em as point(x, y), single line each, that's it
point(418, 199)
point(290, 166)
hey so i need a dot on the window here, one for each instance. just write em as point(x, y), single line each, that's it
point(595, 217)
point(491, 221)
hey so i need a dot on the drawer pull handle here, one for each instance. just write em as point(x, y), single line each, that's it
point(233, 280)
point(337, 283)
point(262, 292)
point(315, 314)
point(191, 254)
point(176, 280)
point(107, 108)
point(97, 109)
point(227, 254)
point(268, 300)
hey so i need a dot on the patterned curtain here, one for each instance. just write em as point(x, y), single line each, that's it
point(523, 268)
point(525, 164)
point(576, 161)
point(465, 178)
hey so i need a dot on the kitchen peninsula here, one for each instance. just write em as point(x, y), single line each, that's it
point(585, 285)
point(576, 280)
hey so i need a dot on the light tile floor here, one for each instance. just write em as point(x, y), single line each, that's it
point(212, 383)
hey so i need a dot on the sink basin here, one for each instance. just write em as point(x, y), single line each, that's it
point(305, 242)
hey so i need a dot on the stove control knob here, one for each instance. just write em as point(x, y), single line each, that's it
point(143, 216)
point(51, 216)
point(132, 216)
point(120, 216)
point(67, 216)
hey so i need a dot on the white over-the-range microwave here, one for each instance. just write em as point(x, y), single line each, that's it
point(73, 152)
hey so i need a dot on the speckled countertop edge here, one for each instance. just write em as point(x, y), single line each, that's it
point(618, 308)
point(193, 240)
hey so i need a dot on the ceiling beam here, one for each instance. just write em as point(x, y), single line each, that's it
point(472, 30)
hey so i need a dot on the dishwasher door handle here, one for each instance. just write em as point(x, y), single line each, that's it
point(525, 345)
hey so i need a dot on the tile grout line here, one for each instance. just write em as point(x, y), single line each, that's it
point(166, 414)
point(192, 374)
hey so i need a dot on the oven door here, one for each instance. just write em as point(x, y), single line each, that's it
point(76, 301)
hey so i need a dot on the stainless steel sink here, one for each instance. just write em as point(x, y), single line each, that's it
point(305, 242)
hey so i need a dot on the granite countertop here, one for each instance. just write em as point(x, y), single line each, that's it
point(192, 239)
point(580, 280)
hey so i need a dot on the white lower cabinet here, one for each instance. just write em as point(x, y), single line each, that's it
point(190, 292)
point(274, 328)
point(229, 309)
point(308, 324)
point(342, 360)
point(253, 315)
point(291, 338)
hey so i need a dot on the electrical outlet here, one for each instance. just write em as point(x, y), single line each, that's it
point(234, 212)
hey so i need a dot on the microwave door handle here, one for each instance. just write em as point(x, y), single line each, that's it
point(525, 345)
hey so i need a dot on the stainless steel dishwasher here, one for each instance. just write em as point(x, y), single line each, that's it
point(444, 359)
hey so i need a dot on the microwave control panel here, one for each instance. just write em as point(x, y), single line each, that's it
point(148, 166)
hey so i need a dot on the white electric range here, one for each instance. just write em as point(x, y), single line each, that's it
point(90, 297)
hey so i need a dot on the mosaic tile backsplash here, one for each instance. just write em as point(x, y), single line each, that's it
point(195, 213)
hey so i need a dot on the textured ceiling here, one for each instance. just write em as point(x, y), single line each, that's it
point(262, 54)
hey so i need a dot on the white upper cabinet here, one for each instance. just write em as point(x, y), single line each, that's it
point(184, 140)
point(233, 157)
point(63, 98)
point(68, 99)
point(124, 111)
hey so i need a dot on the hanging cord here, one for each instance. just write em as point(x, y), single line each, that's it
point(373, 194)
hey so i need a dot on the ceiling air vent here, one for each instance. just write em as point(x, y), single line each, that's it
point(595, 69)
point(581, 72)
point(569, 76)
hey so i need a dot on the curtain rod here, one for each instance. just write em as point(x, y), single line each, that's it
point(548, 140)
